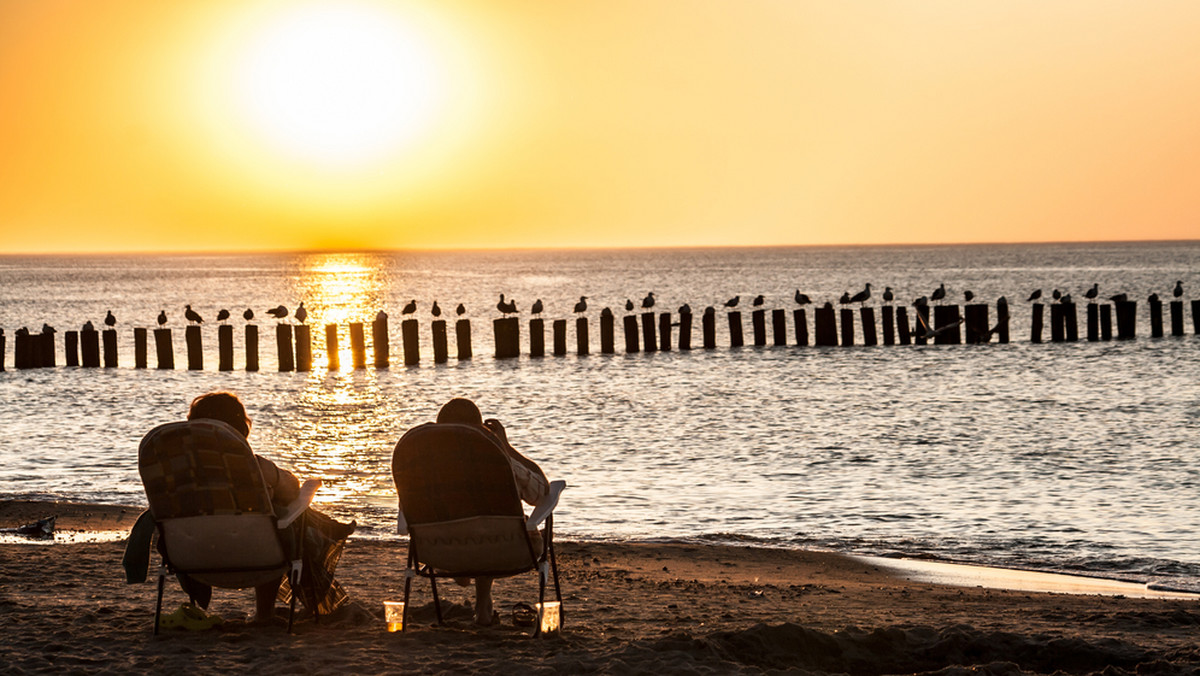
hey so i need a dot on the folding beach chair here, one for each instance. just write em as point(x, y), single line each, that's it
point(213, 512)
point(462, 513)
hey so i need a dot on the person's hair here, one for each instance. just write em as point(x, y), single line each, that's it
point(223, 406)
point(460, 411)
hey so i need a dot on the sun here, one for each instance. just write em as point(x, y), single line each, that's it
point(336, 84)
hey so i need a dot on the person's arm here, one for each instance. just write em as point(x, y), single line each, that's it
point(283, 485)
point(532, 485)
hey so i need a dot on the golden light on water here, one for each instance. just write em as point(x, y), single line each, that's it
point(339, 289)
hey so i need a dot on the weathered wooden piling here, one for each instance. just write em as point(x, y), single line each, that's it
point(22, 350)
point(735, 329)
point(303, 348)
point(195, 348)
point(1176, 318)
point(870, 336)
point(1106, 322)
point(559, 329)
point(507, 332)
point(109, 339)
point(1035, 324)
point(902, 326)
point(358, 346)
point(800, 319)
point(537, 337)
point(923, 325)
point(163, 349)
point(409, 338)
point(685, 330)
point(139, 348)
point(758, 321)
point(46, 356)
point(3, 340)
point(441, 347)
point(976, 323)
point(251, 348)
point(1071, 321)
point(1001, 328)
point(381, 344)
point(889, 324)
point(607, 333)
point(630, 325)
point(664, 332)
point(947, 324)
point(1196, 317)
point(332, 357)
point(71, 348)
point(847, 326)
point(1126, 319)
point(1156, 317)
point(90, 346)
point(1057, 323)
point(284, 343)
point(708, 329)
point(581, 337)
point(462, 338)
point(225, 347)
point(1093, 322)
point(649, 334)
point(779, 327)
point(825, 327)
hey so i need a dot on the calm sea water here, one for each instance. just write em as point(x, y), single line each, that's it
point(1078, 456)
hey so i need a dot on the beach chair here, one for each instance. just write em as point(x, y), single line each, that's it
point(461, 511)
point(214, 516)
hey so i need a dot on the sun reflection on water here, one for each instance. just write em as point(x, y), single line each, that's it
point(337, 289)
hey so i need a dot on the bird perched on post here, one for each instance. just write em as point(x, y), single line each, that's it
point(1037, 293)
point(410, 308)
point(732, 302)
point(110, 320)
point(1056, 294)
point(87, 326)
point(581, 306)
point(222, 315)
point(162, 317)
point(968, 295)
point(648, 301)
point(845, 299)
point(920, 302)
point(435, 310)
point(191, 315)
point(278, 312)
point(685, 309)
point(509, 307)
point(628, 305)
point(938, 293)
point(801, 299)
point(1153, 298)
point(606, 312)
point(537, 307)
point(248, 314)
point(888, 296)
point(1178, 289)
point(1091, 293)
point(460, 310)
point(862, 296)
point(301, 313)
point(758, 300)
point(1119, 298)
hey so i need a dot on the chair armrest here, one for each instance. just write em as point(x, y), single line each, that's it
point(546, 506)
point(307, 490)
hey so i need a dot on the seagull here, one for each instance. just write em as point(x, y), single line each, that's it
point(506, 308)
point(537, 307)
point(758, 300)
point(1037, 293)
point(606, 312)
point(648, 301)
point(191, 315)
point(933, 333)
point(1178, 289)
point(938, 293)
point(410, 308)
point(628, 305)
point(1119, 298)
point(862, 296)
point(801, 299)
point(162, 317)
point(581, 306)
point(248, 314)
point(732, 302)
point(87, 326)
point(278, 312)
point(301, 313)
point(1066, 298)
point(888, 296)
point(968, 295)
point(1091, 293)
point(110, 320)
point(1153, 298)
point(222, 315)
point(437, 311)
point(845, 298)
point(920, 302)
point(460, 310)
point(1056, 294)
point(685, 309)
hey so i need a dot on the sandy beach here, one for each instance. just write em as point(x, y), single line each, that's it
point(629, 608)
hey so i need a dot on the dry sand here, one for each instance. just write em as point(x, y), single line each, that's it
point(629, 608)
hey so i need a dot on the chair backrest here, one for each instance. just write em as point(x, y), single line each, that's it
point(207, 494)
point(460, 500)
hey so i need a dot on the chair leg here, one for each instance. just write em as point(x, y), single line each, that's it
point(162, 578)
point(437, 603)
point(407, 589)
point(557, 587)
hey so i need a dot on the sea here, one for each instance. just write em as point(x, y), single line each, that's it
point(1078, 457)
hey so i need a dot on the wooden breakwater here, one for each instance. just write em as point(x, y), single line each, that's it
point(646, 331)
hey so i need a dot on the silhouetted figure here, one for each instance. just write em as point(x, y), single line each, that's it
point(410, 308)
point(758, 300)
point(1037, 293)
point(648, 301)
point(460, 310)
point(248, 314)
point(278, 312)
point(732, 302)
point(191, 315)
point(888, 296)
point(222, 315)
point(110, 320)
point(581, 306)
point(537, 307)
point(301, 313)
point(435, 310)
point(162, 318)
point(1178, 292)
point(938, 293)
point(1091, 293)
point(862, 296)
point(801, 299)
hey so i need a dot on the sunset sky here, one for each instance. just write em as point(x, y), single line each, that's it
point(143, 125)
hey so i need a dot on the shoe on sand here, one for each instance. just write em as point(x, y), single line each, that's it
point(191, 618)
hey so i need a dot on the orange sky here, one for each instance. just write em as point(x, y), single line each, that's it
point(130, 125)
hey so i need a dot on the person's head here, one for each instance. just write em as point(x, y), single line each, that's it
point(223, 406)
point(460, 411)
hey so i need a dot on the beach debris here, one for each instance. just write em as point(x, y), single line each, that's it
point(41, 529)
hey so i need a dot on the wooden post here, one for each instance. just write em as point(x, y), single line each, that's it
point(559, 329)
point(283, 343)
point(581, 336)
point(90, 339)
point(1196, 317)
point(1093, 322)
point(1126, 319)
point(441, 348)
point(607, 333)
point(664, 332)
point(923, 323)
point(3, 339)
point(870, 336)
point(251, 348)
point(225, 347)
point(758, 320)
point(1176, 318)
point(889, 325)
point(537, 338)
point(109, 338)
point(70, 346)
point(507, 332)
point(332, 356)
point(800, 319)
point(303, 348)
point(1035, 326)
point(976, 323)
point(1070, 322)
point(631, 333)
point(1002, 321)
point(462, 338)
point(649, 338)
point(735, 329)
point(380, 341)
point(358, 346)
point(1156, 318)
point(902, 326)
point(409, 337)
point(21, 350)
point(1106, 322)
point(685, 330)
point(195, 348)
point(163, 349)
point(708, 329)
point(779, 327)
point(947, 315)
point(826, 326)
point(847, 326)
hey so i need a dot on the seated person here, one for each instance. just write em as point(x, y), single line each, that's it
point(323, 536)
point(532, 486)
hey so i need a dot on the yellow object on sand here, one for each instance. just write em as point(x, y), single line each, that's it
point(190, 617)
